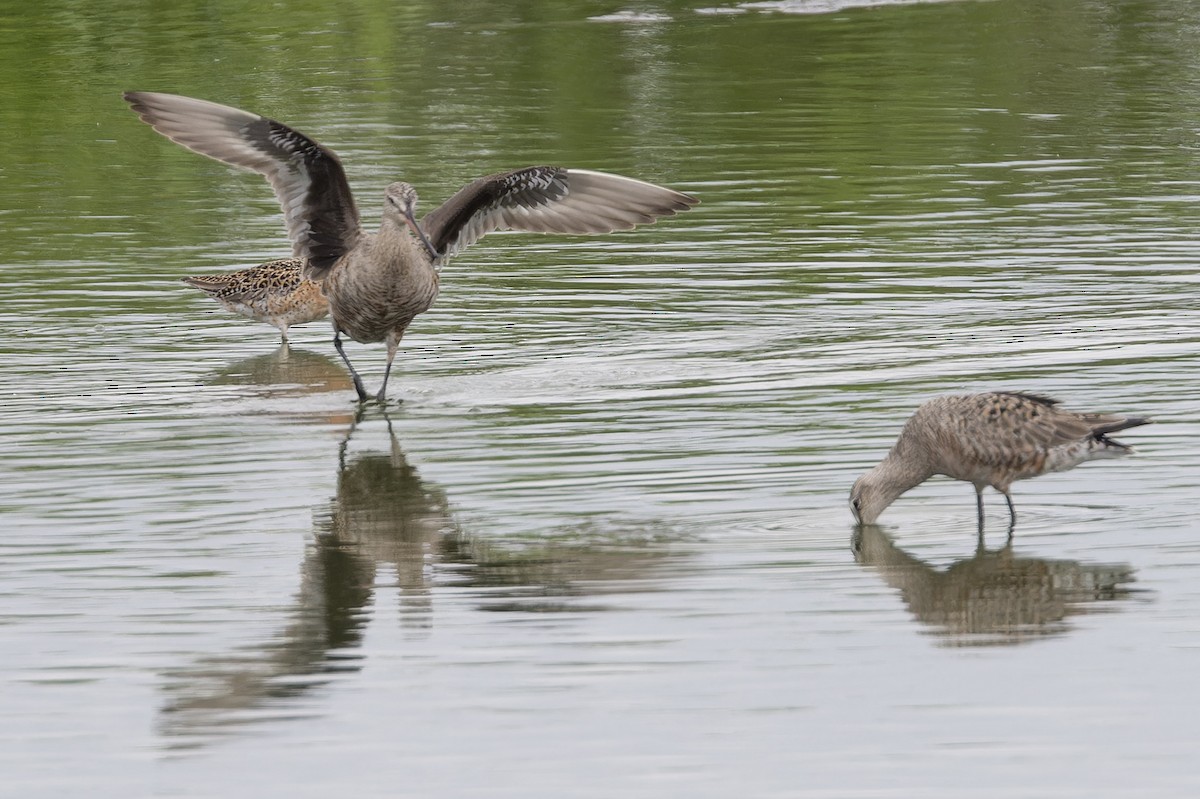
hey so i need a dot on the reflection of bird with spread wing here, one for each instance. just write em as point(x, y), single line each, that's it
point(993, 597)
point(385, 514)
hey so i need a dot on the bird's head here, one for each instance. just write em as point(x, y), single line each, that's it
point(869, 497)
point(400, 204)
point(400, 198)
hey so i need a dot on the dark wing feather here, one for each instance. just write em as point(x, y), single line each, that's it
point(547, 199)
point(308, 179)
point(1039, 399)
point(1017, 426)
point(999, 429)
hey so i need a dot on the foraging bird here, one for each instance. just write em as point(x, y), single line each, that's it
point(376, 283)
point(993, 438)
point(274, 292)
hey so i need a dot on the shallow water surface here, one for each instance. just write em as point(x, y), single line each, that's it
point(600, 545)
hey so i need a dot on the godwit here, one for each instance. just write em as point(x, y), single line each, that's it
point(376, 283)
point(275, 292)
point(986, 439)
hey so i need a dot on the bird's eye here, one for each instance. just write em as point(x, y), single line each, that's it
point(856, 503)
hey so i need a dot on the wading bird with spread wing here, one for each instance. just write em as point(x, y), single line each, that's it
point(376, 283)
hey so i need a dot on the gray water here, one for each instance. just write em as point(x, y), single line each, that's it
point(601, 546)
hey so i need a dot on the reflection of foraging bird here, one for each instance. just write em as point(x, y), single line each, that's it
point(995, 596)
point(275, 292)
point(376, 283)
point(986, 439)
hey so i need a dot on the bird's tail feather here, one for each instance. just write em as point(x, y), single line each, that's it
point(1119, 424)
point(1101, 432)
point(209, 283)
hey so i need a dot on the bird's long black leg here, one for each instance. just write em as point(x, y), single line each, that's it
point(979, 506)
point(393, 343)
point(382, 395)
point(358, 384)
point(1012, 515)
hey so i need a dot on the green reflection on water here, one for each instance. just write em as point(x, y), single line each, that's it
point(862, 109)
